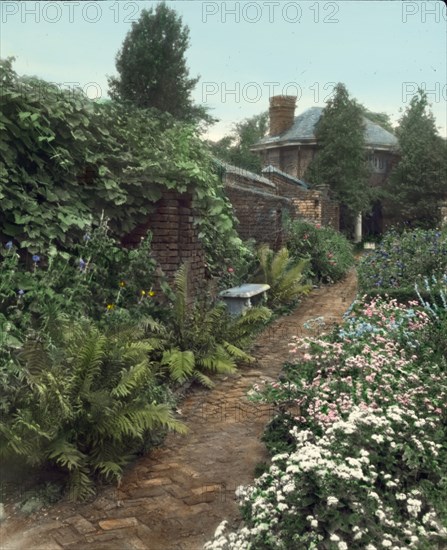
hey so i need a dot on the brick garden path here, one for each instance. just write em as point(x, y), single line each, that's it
point(174, 498)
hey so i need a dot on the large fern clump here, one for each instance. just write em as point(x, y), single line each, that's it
point(202, 338)
point(285, 275)
point(85, 402)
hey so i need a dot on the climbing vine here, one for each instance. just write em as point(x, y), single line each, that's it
point(66, 160)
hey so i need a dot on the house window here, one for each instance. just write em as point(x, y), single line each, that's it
point(378, 163)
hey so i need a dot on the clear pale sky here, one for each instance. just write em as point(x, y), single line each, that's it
point(246, 51)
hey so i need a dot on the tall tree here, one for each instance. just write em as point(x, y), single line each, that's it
point(152, 66)
point(419, 181)
point(340, 161)
point(235, 148)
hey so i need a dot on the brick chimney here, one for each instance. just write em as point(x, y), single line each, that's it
point(282, 113)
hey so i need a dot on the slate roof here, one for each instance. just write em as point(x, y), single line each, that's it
point(272, 169)
point(231, 169)
point(303, 130)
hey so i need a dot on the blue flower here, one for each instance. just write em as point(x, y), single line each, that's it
point(9, 245)
point(36, 258)
point(21, 292)
point(82, 264)
point(86, 237)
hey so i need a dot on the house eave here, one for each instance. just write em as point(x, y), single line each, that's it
point(282, 143)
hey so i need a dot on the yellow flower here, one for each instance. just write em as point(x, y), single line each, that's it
point(122, 284)
point(151, 293)
point(143, 293)
point(110, 306)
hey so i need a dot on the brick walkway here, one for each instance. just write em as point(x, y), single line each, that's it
point(174, 498)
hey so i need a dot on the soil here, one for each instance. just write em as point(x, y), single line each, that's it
point(174, 497)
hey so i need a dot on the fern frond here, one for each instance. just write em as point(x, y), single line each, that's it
point(203, 379)
point(109, 470)
point(80, 486)
point(26, 424)
point(13, 441)
point(279, 264)
point(100, 403)
point(180, 363)
point(265, 260)
point(89, 359)
point(35, 357)
point(157, 344)
point(219, 361)
point(66, 454)
point(158, 415)
point(237, 353)
point(131, 379)
point(254, 315)
point(153, 326)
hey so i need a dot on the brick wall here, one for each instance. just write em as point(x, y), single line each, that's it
point(313, 205)
point(260, 205)
point(175, 239)
point(260, 214)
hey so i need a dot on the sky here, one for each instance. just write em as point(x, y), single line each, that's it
point(247, 51)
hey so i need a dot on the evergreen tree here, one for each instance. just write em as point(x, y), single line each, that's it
point(340, 161)
point(235, 148)
point(419, 181)
point(152, 66)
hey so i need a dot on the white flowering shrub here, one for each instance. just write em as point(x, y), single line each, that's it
point(359, 443)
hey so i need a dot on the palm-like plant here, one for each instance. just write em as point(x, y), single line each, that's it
point(284, 275)
point(201, 340)
point(85, 404)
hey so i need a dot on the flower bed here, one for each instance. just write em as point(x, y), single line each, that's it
point(359, 444)
point(401, 260)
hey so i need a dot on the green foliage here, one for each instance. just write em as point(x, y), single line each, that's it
point(419, 180)
point(152, 65)
point(403, 259)
point(100, 280)
point(284, 275)
point(235, 148)
point(201, 338)
point(340, 160)
point(329, 252)
point(83, 159)
point(84, 400)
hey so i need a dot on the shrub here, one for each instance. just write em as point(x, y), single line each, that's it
point(330, 254)
point(82, 399)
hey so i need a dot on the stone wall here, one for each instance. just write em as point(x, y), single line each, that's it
point(174, 238)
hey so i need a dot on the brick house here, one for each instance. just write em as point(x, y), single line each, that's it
point(291, 145)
